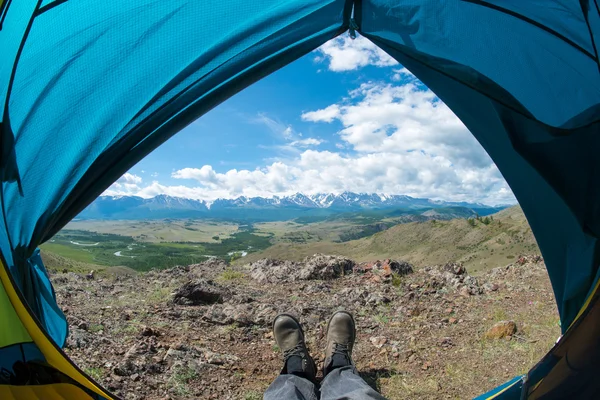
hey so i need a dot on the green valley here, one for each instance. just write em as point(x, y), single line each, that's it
point(423, 239)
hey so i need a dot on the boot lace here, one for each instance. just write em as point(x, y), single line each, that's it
point(341, 349)
point(297, 350)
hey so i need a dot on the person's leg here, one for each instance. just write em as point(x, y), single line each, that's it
point(342, 381)
point(296, 381)
point(291, 387)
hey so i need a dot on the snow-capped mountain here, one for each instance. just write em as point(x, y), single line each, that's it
point(262, 208)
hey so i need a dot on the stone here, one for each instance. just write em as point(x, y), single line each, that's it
point(78, 338)
point(199, 292)
point(501, 330)
point(377, 298)
point(126, 368)
point(318, 266)
point(455, 268)
point(147, 331)
point(490, 287)
point(378, 341)
point(386, 267)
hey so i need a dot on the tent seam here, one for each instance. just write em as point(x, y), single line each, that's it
point(535, 23)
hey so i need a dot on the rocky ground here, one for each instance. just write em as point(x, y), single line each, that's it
point(204, 331)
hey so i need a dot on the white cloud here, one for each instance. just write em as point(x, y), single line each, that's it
point(278, 128)
point(292, 140)
point(346, 54)
point(327, 114)
point(395, 139)
point(306, 142)
point(128, 184)
point(403, 74)
point(130, 178)
point(415, 173)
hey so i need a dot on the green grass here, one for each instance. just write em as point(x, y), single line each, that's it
point(381, 319)
point(118, 250)
point(253, 396)
point(70, 252)
point(160, 294)
point(421, 243)
point(95, 373)
point(180, 379)
point(94, 328)
point(231, 275)
point(396, 280)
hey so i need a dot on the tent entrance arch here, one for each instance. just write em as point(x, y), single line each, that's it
point(82, 100)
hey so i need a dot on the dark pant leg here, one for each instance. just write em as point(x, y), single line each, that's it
point(290, 387)
point(346, 384)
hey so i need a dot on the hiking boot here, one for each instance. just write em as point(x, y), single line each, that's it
point(341, 333)
point(290, 339)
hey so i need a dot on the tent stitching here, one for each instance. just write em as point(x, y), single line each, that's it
point(535, 23)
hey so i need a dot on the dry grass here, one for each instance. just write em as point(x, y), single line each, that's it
point(480, 248)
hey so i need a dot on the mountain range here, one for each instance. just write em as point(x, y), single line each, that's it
point(267, 209)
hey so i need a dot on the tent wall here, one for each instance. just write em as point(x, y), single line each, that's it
point(88, 88)
point(533, 105)
point(39, 348)
point(95, 87)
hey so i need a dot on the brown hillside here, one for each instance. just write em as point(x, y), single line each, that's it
point(479, 247)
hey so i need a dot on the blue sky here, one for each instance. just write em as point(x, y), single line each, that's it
point(344, 117)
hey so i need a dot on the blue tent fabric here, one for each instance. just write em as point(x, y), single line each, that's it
point(508, 390)
point(88, 88)
point(44, 301)
point(111, 83)
point(539, 126)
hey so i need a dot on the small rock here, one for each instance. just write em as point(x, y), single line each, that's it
point(147, 331)
point(377, 298)
point(199, 292)
point(501, 330)
point(455, 268)
point(378, 341)
point(490, 287)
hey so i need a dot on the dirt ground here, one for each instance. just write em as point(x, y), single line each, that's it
point(204, 331)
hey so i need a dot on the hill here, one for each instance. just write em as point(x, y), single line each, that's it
point(478, 245)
